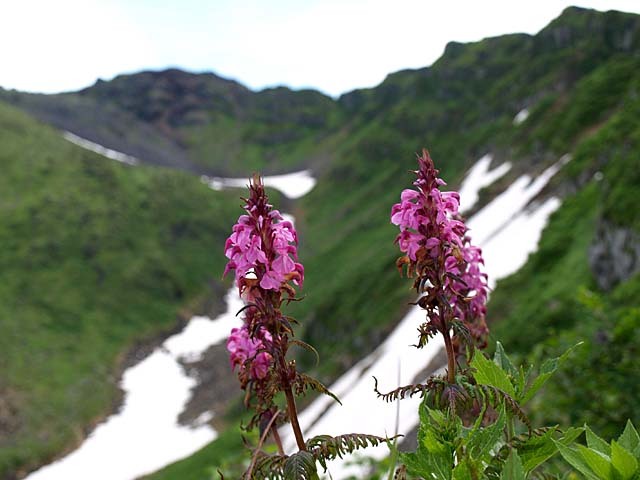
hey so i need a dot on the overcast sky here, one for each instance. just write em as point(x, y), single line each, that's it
point(331, 45)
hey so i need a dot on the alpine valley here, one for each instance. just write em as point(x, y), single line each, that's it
point(103, 260)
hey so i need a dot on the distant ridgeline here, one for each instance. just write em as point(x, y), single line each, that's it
point(98, 256)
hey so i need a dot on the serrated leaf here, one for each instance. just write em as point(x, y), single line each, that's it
point(462, 471)
point(482, 440)
point(537, 450)
point(501, 359)
point(433, 458)
point(599, 463)
point(576, 460)
point(540, 448)
point(488, 373)
point(421, 464)
point(630, 439)
point(547, 369)
point(513, 469)
point(596, 443)
point(300, 466)
point(623, 461)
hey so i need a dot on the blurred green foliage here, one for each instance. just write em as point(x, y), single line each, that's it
point(95, 257)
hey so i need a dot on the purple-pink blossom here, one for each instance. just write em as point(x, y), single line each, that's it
point(438, 249)
point(248, 354)
point(262, 248)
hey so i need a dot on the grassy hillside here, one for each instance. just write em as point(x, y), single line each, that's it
point(578, 79)
point(461, 108)
point(128, 269)
point(563, 296)
point(96, 256)
point(196, 122)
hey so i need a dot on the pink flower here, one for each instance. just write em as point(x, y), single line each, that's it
point(263, 243)
point(248, 353)
point(438, 249)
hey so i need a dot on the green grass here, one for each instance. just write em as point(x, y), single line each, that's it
point(95, 257)
point(204, 464)
point(581, 97)
point(554, 302)
point(99, 255)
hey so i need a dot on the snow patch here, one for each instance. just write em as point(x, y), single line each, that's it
point(478, 177)
point(521, 116)
point(100, 150)
point(144, 435)
point(507, 232)
point(292, 185)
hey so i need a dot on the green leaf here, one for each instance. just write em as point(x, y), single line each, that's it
point(596, 443)
point(488, 373)
point(300, 466)
point(462, 471)
point(598, 462)
point(540, 448)
point(630, 439)
point(523, 378)
point(501, 359)
point(424, 465)
point(576, 460)
point(482, 440)
point(548, 368)
point(434, 457)
point(513, 469)
point(623, 461)
point(537, 450)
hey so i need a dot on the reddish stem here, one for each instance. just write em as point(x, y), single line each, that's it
point(451, 356)
point(293, 417)
point(276, 437)
point(291, 403)
point(448, 344)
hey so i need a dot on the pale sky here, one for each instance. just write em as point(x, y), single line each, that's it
point(330, 45)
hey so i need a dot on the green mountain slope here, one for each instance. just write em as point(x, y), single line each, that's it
point(579, 80)
point(195, 122)
point(461, 107)
point(96, 256)
point(583, 283)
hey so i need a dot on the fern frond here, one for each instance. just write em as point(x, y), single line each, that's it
point(304, 382)
point(300, 466)
point(408, 390)
point(268, 467)
point(495, 396)
point(326, 447)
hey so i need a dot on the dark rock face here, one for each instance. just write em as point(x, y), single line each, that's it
point(614, 255)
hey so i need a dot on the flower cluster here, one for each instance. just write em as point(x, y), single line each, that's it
point(439, 253)
point(262, 247)
point(249, 354)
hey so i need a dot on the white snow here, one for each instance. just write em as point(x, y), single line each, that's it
point(521, 116)
point(292, 185)
point(144, 435)
point(478, 177)
point(507, 232)
point(502, 209)
point(99, 149)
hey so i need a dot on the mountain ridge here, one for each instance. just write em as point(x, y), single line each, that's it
point(578, 80)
